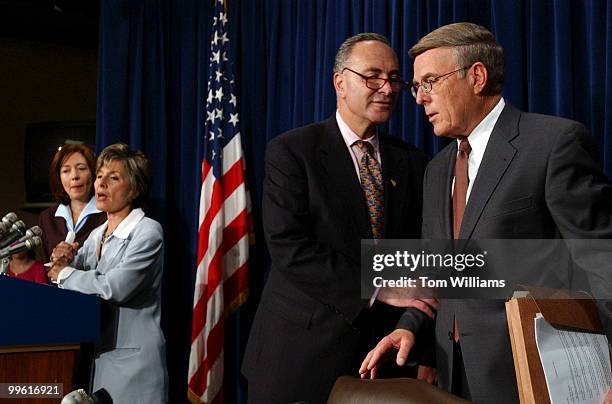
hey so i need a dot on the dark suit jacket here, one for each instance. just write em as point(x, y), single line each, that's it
point(54, 229)
point(537, 180)
point(305, 333)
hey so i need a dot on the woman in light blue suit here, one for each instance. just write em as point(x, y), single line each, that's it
point(122, 262)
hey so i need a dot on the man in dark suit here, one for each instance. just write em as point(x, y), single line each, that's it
point(328, 185)
point(507, 174)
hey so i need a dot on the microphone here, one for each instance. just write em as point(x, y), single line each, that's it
point(29, 244)
point(18, 229)
point(6, 222)
point(80, 397)
point(31, 232)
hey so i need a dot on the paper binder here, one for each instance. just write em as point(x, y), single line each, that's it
point(575, 314)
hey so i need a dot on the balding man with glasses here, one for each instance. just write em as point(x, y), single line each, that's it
point(328, 185)
point(508, 175)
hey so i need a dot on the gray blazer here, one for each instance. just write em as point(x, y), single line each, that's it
point(131, 359)
point(537, 180)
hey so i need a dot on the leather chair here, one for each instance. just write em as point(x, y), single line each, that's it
point(352, 390)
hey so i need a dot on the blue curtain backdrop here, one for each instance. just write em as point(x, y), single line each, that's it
point(153, 57)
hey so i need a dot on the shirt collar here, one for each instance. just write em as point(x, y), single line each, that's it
point(127, 225)
point(65, 212)
point(351, 137)
point(482, 132)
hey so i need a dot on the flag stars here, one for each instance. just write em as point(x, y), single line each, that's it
point(233, 100)
point(216, 57)
point(218, 113)
point(210, 97)
point(219, 94)
point(218, 75)
point(233, 119)
point(223, 18)
point(210, 116)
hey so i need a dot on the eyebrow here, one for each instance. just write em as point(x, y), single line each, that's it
point(375, 70)
point(77, 164)
point(107, 173)
point(425, 77)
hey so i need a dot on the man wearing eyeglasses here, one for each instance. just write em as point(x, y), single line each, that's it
point(328, 185)
point(508, 174)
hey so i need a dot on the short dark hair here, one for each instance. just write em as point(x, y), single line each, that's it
point(62, 154)
point(137, 167)
point(345, 50)
point(471, 43)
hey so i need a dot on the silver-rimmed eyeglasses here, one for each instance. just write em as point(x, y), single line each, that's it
point(427, 84)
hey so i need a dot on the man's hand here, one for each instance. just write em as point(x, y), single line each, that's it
point(427, 374)
point(402, 340)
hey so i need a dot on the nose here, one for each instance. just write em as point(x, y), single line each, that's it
point(420, 98)
point(75, 174)
point(386, 88)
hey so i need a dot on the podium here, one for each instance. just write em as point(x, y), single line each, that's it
point(41, 333)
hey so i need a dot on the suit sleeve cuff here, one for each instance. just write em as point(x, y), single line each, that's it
point(413, 320)
point(63, 275)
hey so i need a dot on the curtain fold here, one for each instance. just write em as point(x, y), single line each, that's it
point(153, 59)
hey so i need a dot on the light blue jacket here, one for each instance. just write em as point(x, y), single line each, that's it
point(131, 359)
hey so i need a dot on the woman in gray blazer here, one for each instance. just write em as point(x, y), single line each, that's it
point(122, 261)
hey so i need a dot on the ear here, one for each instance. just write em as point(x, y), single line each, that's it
point(479, 77)
point(339, 84)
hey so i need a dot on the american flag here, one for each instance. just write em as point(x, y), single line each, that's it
point(224, 225)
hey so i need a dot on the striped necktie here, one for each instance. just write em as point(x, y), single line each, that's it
point(370, 174)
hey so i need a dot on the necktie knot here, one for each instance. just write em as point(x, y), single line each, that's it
point(365, 147)
point(464, 146)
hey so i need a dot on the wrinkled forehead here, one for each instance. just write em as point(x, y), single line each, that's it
point(115, 165)
point(373, 57)
point(74, 157)
point(434, 62)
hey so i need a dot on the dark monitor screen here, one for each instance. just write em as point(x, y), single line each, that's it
point(41, 142)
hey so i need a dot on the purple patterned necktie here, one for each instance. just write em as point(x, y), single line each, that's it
point(370, 174)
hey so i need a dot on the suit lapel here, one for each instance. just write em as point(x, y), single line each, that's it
point(395, 175)
point(497, 157)
point(338, 164)
point(445, 190)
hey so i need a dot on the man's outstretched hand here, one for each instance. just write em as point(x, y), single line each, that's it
point(402, 340)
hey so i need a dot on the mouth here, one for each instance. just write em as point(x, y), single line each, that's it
point(101, 197)
point(383, 104)
point(431, 116)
